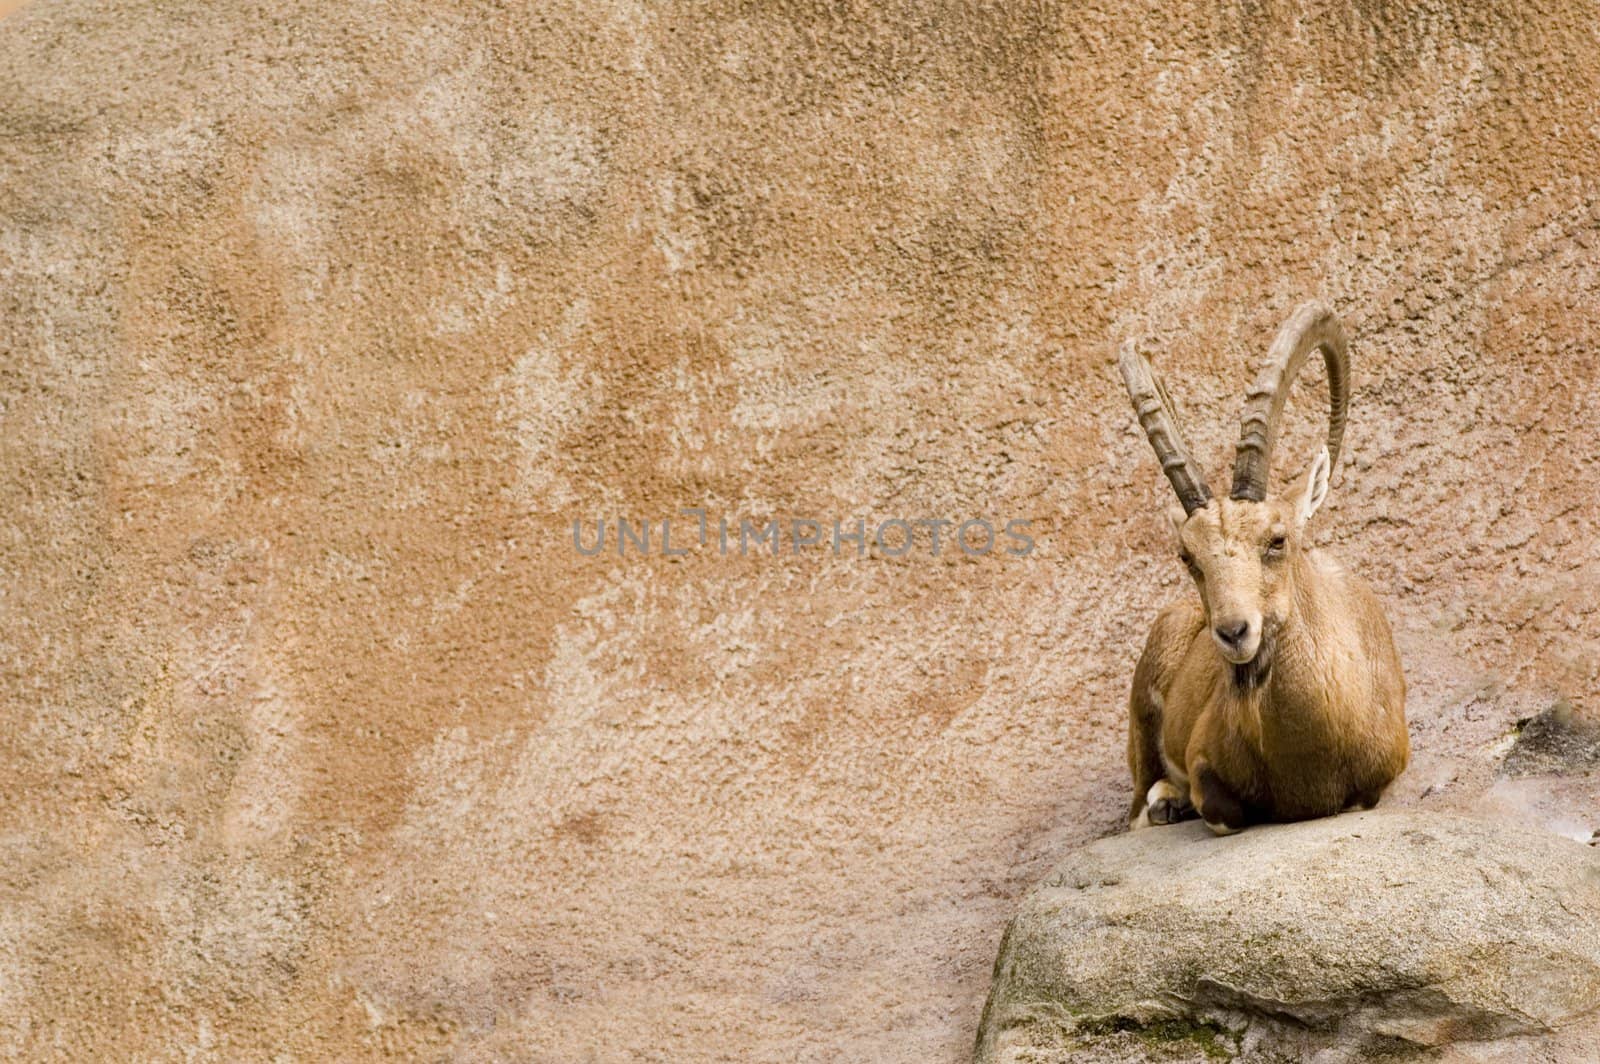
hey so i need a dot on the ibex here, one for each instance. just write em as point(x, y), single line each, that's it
point(1279, 695)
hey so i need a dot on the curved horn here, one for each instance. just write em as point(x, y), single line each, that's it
point(1160, 424)
point(1311, 328)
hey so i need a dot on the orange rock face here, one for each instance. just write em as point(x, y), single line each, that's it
point(322, 323)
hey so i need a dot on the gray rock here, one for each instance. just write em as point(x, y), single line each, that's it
point(1365, 934)
point(1558, 741)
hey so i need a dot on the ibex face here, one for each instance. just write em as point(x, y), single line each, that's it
point(1243, 557)
point(1242, 551)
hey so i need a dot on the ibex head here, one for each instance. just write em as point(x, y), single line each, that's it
point(1242, 551)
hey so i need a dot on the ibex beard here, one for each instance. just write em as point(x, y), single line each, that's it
point(1278, 695)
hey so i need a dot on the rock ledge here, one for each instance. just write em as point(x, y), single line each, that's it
point(1383, 932)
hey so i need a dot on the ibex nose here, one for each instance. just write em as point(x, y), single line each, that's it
point(1232, 633)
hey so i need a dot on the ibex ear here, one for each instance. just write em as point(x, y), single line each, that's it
point(1316, 488)
point(1177, 515)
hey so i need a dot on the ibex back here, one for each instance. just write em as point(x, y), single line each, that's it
point(1279, 694)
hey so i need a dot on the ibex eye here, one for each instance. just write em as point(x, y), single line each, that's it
point(1277, 544)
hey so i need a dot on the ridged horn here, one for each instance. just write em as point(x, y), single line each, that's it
point(1311, 328)
point(1160, 423)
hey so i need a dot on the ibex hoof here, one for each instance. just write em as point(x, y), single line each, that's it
point(1223, 812)
point(1166, 804)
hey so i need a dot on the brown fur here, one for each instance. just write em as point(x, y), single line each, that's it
point(1314, 723)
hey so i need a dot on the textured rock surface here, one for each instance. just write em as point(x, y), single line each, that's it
point(1364, 932)
point(1557, 741)
point(321, 322)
